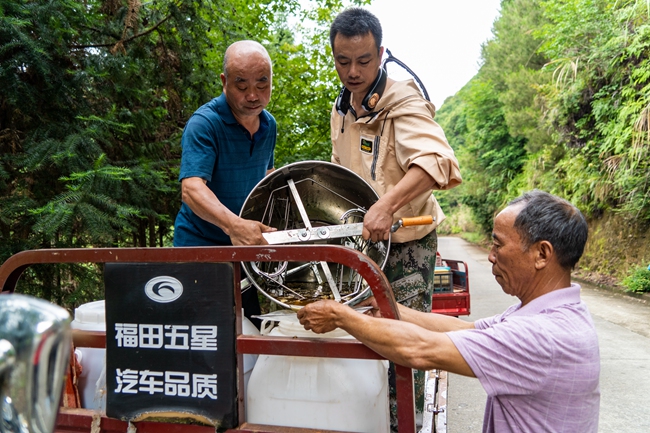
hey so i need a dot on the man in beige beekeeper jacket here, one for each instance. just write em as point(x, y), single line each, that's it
point(384, 131)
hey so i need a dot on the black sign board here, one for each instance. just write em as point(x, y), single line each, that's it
point(170, 340)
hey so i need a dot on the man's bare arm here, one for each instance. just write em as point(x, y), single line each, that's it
point(399, 341)
point(207, 206)
point(432, 321)
point(379, 218)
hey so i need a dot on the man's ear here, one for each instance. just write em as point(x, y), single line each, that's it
point(544, 254)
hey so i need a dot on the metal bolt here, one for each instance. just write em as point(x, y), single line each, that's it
point(435, 409)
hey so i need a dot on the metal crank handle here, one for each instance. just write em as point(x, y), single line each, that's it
point(313, 234)
point(412, 221)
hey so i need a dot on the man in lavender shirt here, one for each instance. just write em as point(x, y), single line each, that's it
point(538, 361)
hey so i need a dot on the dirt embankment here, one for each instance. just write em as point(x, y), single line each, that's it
point(615, 247)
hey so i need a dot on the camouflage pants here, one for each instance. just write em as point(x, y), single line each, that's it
point(410, 269)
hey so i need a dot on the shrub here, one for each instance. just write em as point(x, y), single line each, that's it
point(638, 281)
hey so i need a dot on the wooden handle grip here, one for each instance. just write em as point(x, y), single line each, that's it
point(417, 221)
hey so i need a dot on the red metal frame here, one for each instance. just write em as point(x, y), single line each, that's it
point(80, 420)
point(454, 303)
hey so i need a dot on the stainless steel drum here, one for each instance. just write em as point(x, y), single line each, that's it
point(304, 196)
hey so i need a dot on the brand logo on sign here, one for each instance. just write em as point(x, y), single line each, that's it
point(163, 289)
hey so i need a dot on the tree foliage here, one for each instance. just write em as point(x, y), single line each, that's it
point(562, 103)
point(95, 97)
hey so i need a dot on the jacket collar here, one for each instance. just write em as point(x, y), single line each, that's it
point(393, 100)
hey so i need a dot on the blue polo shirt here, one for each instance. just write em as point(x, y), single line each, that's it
point(221, 151)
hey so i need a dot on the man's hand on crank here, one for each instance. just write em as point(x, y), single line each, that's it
point(370, 302)
point(321, 316)
point(377, 222)
point(248, 232)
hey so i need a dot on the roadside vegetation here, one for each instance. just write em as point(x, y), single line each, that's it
point(638, 281)
point(562, 103)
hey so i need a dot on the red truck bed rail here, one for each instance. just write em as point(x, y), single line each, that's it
point(85, 420)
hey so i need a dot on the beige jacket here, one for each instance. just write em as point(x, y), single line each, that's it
point(381, 147)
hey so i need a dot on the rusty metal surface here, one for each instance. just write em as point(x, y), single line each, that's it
point(11, 270)
point(319, 347)
point(95, 339)
point(257, 428)
point(405, 398)
point(86, 420)
point(81, 420)
point(14, 266)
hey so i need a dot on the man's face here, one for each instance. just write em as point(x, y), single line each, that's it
point(248, 84)
point(512, 266)
point(357, 61)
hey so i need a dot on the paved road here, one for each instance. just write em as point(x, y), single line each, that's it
point(623, 326)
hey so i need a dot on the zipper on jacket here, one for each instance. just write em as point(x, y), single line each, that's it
point(375, 148)
point(375, 155)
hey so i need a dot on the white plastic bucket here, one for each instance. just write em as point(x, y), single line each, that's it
point(92, 381)
point(318, 393)
point(249, 359)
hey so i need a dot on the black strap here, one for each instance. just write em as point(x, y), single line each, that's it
point(390, 58)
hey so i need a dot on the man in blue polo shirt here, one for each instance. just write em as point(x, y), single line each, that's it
point(228, 147)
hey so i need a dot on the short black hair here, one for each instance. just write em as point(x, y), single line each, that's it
point(356, 22)
point(545, 217)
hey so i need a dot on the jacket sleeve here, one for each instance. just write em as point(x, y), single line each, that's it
point(335, 119)
point(421, 141)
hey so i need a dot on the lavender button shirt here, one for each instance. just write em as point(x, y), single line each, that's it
point(539, 365)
